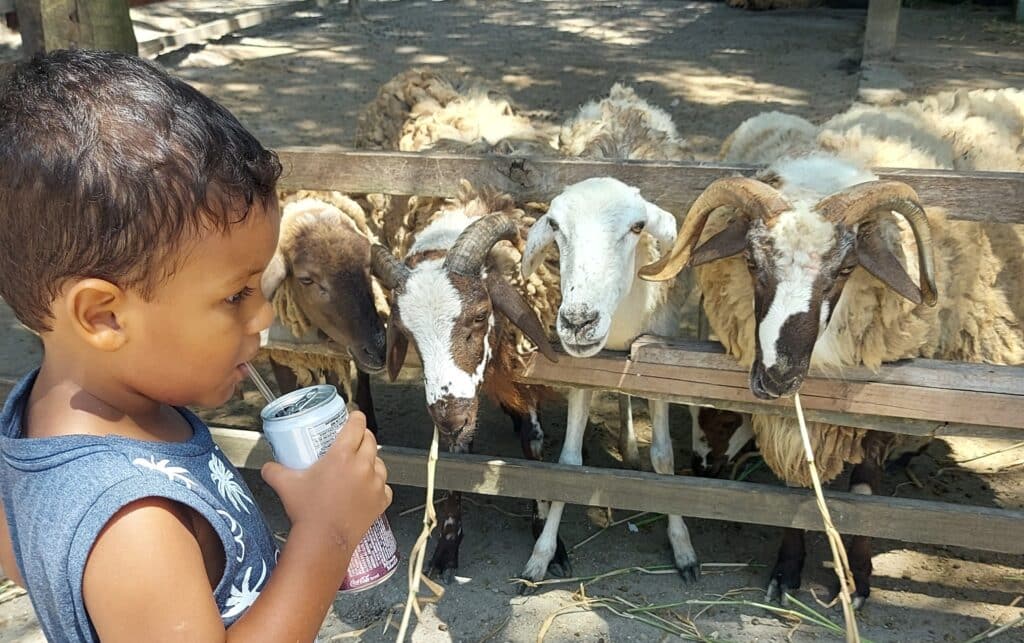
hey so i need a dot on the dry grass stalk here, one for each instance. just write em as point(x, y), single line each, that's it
point(419, 549)
point(835, 541)
point(628, 610)
point(604, 529)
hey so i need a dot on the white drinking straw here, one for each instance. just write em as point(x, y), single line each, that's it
point(258, 381)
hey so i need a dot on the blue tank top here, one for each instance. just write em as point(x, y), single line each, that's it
point(59, 493)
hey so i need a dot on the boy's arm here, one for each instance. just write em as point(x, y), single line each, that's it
point(7, 560)
point(145, 579)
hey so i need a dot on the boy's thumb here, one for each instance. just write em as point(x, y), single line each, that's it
point(272, 472)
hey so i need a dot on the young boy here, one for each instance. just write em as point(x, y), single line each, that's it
point(136, 218)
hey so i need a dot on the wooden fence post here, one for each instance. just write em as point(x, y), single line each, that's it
point(47, 25)
point(880, 29)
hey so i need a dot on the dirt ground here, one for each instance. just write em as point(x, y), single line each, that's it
point(302, 81)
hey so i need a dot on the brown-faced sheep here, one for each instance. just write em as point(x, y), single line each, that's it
point(446, 296)
point(319, 283)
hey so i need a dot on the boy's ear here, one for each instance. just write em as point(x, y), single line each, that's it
point(94, 308)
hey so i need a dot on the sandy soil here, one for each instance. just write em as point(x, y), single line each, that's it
point(303, 80)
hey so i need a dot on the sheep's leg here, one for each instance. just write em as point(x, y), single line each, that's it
point(627, 434)
point(286, 379)
point(545, 551)
point(531, 438)
point(530, 431)
point(364, 400)
point(865, 479)
point(445, 560)
point(788, 567)
point(663, 459)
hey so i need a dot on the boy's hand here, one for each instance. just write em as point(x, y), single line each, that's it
point(343, 492)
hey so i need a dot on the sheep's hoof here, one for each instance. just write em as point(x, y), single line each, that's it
point(857, 600)
point(689, 573)
point(785, 578)
point(777, 593)
point(444, 562)
point(560, 567)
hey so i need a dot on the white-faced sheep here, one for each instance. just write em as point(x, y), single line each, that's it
point(807, 265)
point(320, 285)
point(604, 229)
point(461, 301)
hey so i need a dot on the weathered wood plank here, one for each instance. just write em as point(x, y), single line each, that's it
point(880, 29)
point(727, 382)
point(930, 373)
point(219, 28)
point(673, 186)
point(920, 521)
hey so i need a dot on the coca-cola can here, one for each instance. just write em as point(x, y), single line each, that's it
point(300, 427)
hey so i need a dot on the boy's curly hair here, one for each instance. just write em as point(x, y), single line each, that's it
point(107, 165)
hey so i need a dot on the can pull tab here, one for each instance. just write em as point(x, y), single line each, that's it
point(297, 406)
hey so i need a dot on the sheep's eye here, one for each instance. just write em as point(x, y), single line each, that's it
point(553, 224)
point(306, 281)
point(480, 318)
point(846, 271)
point(637, 227)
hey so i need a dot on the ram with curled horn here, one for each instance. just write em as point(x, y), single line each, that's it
point(452, 297)
point(816, 262)
point(799, 265)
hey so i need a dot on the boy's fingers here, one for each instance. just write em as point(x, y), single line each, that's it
point(353, 433)
point(389, 495)
point(381, 469)
point(272, 473)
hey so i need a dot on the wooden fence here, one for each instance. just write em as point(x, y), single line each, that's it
point(920, 397)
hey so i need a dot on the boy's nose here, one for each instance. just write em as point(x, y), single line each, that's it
point(263, 318)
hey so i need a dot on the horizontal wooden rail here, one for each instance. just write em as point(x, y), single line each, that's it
point(918, 397)
point(921, 521)
point(221, 27)
point(975, 196)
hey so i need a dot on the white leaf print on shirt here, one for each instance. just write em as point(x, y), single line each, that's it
point(242, 598)
point(226, 485)
point(164, 467)
point(238, 537)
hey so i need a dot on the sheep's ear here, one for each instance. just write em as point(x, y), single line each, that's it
point(274, 274)
point(727, 243)
point(875, 257)
point(660, 223)
point(397, 346)
point(540, 237)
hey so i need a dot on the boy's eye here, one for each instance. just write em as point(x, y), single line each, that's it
point(239, 296)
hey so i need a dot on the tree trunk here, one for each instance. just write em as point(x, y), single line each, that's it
point(30, 24)
point(106, 24)
point(47, 25)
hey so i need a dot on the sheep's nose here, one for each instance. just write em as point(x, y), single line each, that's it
point(579, 322)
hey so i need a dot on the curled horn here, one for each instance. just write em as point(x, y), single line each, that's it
point(868, 200)
point(469, 251)
point(391, 272)
point(750, 196)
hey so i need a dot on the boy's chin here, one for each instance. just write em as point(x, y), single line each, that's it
point(216, 399)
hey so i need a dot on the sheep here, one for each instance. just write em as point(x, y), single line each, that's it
point(320, 286)
point(445, 297)
point(420, 110)
point(813, 244)
point(964, 130)
point(623, 126)
point(602, 227)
